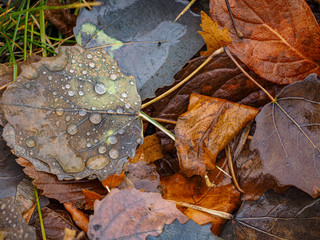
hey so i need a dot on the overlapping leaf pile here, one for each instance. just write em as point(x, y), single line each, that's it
point(83, 120)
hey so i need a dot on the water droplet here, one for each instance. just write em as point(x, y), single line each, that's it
point(114, 153)
point(68, 118)
point(124, 94)
point(89, 144)
point(30, 142)
point(112, 140)
point(127, 105)
point(139, 140)
point(70, 93)
point(121, 131)
point(73, 61)
point(49, 78)
point(97, 162)
point(59, 111)
point(72, 129)
point(68, 86)
point(84, 72)
point(100, 88)
point(81, 93)
point(82, 113)
point(102, 149)
point(89, 56)
point(92, 65)
point(95, 118)
point(119, 110)
point(113, 76)
point(71, 71)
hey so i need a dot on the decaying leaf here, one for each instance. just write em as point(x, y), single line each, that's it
point(64, 190)
point(113, 180)
point(12, 225)
point(288, 142)
point(195, 191)
point(189, 230)
point(205, 129)
point(54, 221)
point(143, 38)
point(74, 115)
point(90, 197)
point(293, 215)
point(130, 213)
point(212, 35)
point(281, 39)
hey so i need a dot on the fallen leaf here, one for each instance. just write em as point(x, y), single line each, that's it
point(224, 197)
point(11, 174)
point(90, 197)
point(142, 176)
point(131, 213)
point(205, 129)
point(55, 222)
point(189, 230)
point(212, 35)
point(25, 197)
point(78, 216)
point(150, 150)
point(113, 180)
point(62, 19)
point(143, 38)
point(289, 150)
point(12, 225)
point(281, 40)
point(58, 111)
point(293, 215)
point(63, 190)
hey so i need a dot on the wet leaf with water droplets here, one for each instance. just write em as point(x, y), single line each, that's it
point(77, 117)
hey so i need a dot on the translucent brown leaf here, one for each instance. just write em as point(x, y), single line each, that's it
point(288, 139)
point(205, 129)
point(132, 214)
point(74, 115)
point(281, 40)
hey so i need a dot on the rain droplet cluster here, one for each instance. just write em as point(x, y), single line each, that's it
point(82, 118)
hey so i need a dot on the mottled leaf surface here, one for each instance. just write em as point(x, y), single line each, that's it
point(143, 38)
point(281, 40)
point(74, 115)
point(293, 215)
point(289, 142)
point(12, 225)
point(131, 214)
point(188, 231)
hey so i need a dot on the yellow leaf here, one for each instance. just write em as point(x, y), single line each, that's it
point(212, 35)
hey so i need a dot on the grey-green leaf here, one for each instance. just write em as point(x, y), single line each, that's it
point(143, 38)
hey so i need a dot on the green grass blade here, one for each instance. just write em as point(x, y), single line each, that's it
point(13, 59)
point(40, 215)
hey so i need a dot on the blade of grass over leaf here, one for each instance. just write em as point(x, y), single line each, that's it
point(185, 9)
point(26, 32)
point(13, 59)
point(40, 215)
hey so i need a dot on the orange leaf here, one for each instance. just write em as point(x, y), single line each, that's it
point(113, 180)
point(78, 216)
point(205, 129)
point(90, 198)
point(212, 35)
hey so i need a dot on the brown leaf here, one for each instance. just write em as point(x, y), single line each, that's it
point(90, 197)
point(54, 221)
point(205, 129)
point(212, 35)
point(129, 212)
point(63, 191)
point(195, 191)
point(61, 18)
point(281, 39)
point(78, 216)
point(142, 176)
point(12, 225)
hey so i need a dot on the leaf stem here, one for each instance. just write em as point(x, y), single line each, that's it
point(226, 49)
point(230, 164)
point(158, 125)
point(215, 53)
point(239, 33)
point(40, 215)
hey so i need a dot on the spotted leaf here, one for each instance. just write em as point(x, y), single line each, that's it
point(74, 115)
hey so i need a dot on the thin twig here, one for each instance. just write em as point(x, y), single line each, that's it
point(215, 53)
point(230, 164)
point(206, 210)
point(185, 9)
point(239, 33)
point(165, 120)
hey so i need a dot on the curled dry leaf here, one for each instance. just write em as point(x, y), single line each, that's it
point(78, 216)
point(63, 191)
point(212, 35)
point(131, 213)
point(74, 115)
point(205, 129)
point(293, 215)
point(12, 225)
point(195, 191)
point(287, 139)
point(90, 197)
point(281, 39)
